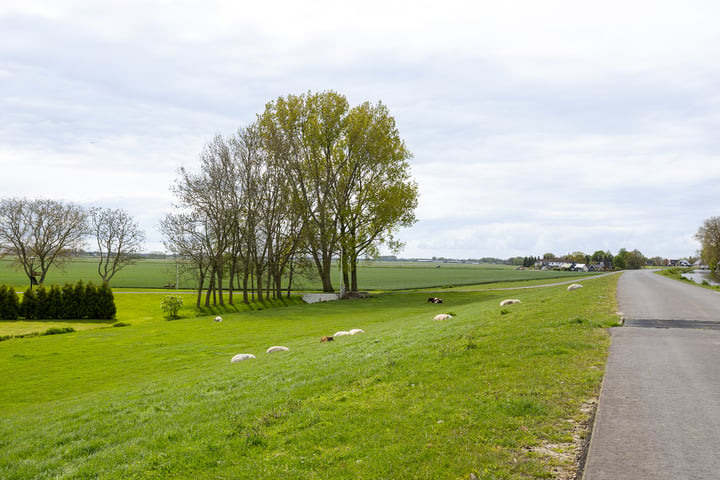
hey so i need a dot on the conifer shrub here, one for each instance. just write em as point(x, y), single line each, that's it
point(9, 303)
point(28, 305)
point(70, 302)
point(42, 303)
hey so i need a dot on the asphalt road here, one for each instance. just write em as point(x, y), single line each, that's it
point(659, 411)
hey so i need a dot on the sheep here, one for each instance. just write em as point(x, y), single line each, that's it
point(509, 301)
point(442, 316)
point(326, 339)
point(242, 356)
point(277, 349)
point(356, 330)
point(574, 286)
point(434, 300)
point(218, 319)
point(341, 333)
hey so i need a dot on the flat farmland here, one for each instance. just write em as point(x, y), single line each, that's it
point(156, 273)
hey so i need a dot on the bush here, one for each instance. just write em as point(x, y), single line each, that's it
point(67, 303)
point(54, 302)
point(171, 305)
point(106, 308)
point(28, 306)
point(9, 303)
point(42, 303)
point(58, 330)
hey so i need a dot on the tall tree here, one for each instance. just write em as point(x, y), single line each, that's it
point(184, 235)
point(210, 196)
point(40, 233)
point(119, 238)
point(304, 136)
point(349, 176)
point(375, 193)
point(709, 237)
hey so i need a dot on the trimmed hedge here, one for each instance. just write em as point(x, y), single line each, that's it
point(71, 302)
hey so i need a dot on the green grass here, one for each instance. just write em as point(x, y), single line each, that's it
point(410, 398)
point(155, 273)
point(143, 274)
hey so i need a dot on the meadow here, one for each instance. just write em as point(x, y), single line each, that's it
point(156, 273)
point(494, 392)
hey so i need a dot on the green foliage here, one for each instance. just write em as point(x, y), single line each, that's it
point(57, 331)
point(105, 307)
point(28, 306)
point(70, 302)
point(9, 303)
point(171, 305)
point(709, 237)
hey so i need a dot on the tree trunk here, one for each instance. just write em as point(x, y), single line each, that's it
point(220, 284)
point(353, 274)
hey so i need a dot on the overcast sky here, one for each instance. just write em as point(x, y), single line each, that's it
point(536, 127)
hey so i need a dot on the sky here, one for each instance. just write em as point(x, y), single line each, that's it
point(535, 127)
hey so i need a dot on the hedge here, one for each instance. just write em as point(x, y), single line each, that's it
point(70, 302)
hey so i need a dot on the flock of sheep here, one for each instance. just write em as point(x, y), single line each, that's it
point(277, 348)
point(442, 316)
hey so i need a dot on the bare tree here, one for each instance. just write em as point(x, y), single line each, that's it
point(40, 233)
point(186, 238)
point(119, 238)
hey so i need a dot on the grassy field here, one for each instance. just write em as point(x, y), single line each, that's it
point(494, 392)
point(372, 275)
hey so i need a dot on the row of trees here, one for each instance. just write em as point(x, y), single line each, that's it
point(312, 179)
point(68, 302)
point(40, 234)
point(623, 260)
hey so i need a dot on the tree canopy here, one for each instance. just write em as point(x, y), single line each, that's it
point(312, 178)
point(708, 235)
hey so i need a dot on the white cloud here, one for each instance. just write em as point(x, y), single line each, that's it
point(536, 126)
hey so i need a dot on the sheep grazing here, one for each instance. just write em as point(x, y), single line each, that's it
point(442, 316)
point(341, 333)
point(509, 301)
point(277, 349)
point(242, 356)
point(326, 339)
point(434, 300)
point(218, 319)
point(356, 330)
point(574, 286)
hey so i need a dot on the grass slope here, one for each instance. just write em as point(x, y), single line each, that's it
point(410, 398)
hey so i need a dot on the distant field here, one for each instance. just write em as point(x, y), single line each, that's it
point(371, 275)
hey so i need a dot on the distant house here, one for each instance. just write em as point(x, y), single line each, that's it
point(679, 263)
point(581, 267)
point(600, 267)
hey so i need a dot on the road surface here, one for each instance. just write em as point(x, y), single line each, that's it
point(659, 410)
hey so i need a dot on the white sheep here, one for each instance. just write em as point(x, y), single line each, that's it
point(242, 356)
point(442, 316)
point(574, 286)
point(356, 330)
point(509, 301)
point(218, 319)
point(277, 349)
point(341, 333)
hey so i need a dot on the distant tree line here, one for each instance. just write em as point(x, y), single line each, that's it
point(70, 302)
point(40, 234)
point(310, 181)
